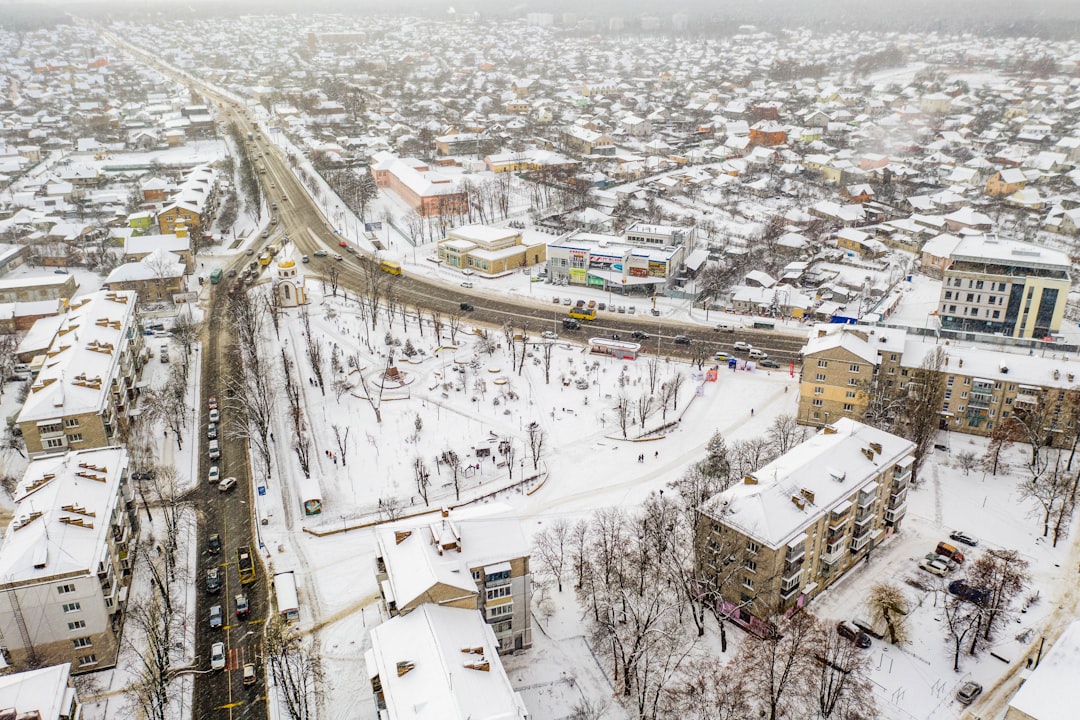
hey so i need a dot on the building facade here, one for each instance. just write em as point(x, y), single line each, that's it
point(427, 191)
point(796, 525)
point(472, 561)
point(490, 250)
point(1004, 286)
point(607, 262)
point(82, 395)
point(66, 560)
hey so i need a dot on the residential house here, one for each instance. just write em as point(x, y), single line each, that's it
point(137, 247)
point(768, 133)
point(33, 289)
point(994, 285)
point(82, 394)
point(459, 144)
point(440, 662)
point(795, 526)
point(43, 694)
point(587, 142)
point(935, 252)
point(66, 560)
point(476, 560)
point(490, 250)
point(860, 242)
point(1005, 182)
point(157, 277)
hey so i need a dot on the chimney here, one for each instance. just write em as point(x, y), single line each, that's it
point(400, 535)
point(798, 502)
point(404, 666)
point(749, 480)
point(828, 430)
point(876, 447)
point(808, 494)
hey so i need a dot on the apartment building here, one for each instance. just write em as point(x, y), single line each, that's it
point(440, 662)
point(796, 525)
point(983, 384)
point(65, 560)
point(474, 559)
point(44, 694)
point(424, 189)
point(192, 205)
point(84, 389)
point(1007, 287)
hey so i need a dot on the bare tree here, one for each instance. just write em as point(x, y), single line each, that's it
point(623, 411)
point(1048, 488)
point(168, 404)
point(186, 331)
point(537, 437)
point(967, 460)
point(314, 349)
point(887, 604)
point(785, 433)
point(509, 452)
point(781, 660)
point(1001, 575)
point(295, 667)
point(551, 548)
point(961, 618)
point(545, 354)
point(453, 461)
point(841, 683)
point(423, 477)
point(342, 440)
point(921, 414)
point(148, 638)
point(1002, 437)
point(708, 690)
point(333, 276)
point(375, 401)
point(454, 322)
point(644, 408)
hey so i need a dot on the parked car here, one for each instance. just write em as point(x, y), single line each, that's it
point(213, 580)
point(571, 324)
point(592, 303)
point(211, 404)
point(601, 306)
point(935, 567)
point(227, 484)
point(242, 608)
point(555, 300)
point(266, 233)
point(231, 273)
point(741, 346)
point(342, 243)
point(854, 634)
point(968, 692)
point(769, 364)
point(724, 327)
point(949, 551)
point(682, 340)
point(213, 544)
point(249, 251)
point(467, 307)
point(215, 475)
point(720, 357)
point(467, 284)
point(549, 335)
point(214, 450)
point(217, 619)
point(215, 415)
point(948, 563)
point(963, 538)
point(211, 431)
point(567, 301)
point(305, 259)
point(217, 656)
point(639, 335)
point(962, 590)
point(250, 678)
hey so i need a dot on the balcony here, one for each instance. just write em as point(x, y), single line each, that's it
point(787, 594)
point(897, 498)
point(833, 554)
point(893, 515)
point(857, 544)
point(863, 522)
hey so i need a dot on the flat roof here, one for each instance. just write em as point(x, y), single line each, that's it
point(44, 690)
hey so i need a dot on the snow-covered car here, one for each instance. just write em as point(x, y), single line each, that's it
point(854, 634)
point(217, 656)
point(968, 692)
point(215, 475)
point(549, 335)
point(935, 567)
point(211, 404)
point(741, 346)
point(213, 580)
point(215, 415)
point(963, 538)
point(211, 431)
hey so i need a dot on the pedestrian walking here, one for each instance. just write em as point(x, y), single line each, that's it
point(656, 455)
point(751, 412)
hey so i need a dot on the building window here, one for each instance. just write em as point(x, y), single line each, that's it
point(502, 627)
point(74, 437)
point(823, 363)
point(818, 390)
point(71, 422)
point(49, 429)
point(54, 442)
point(950, 380)
point(854, 367)
point(963, 395)
point(750, 565)
point(820, 377)
point(752, 547)
point(498, 592)
point(852, 381)
point(71, 607)
point(500, 610)
point(65, 589)
point(848, 407)
point(817, 415)
point(817, 402)
point(948, 394)
point(850, 394)
point(86, 660)
point(748, 583)
point(77, 625)
point(82, 642)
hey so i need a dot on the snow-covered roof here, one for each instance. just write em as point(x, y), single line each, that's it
point(415, 564)
point(45, 690)
point(831, 465)
point(142, 244)
point(484, 234)
point(941, 246)
point(61, 522)
point(83, 357)
point(158, 265)
point(843, 339)
point(441, 663)
point(981, 248)
point(1051, 691)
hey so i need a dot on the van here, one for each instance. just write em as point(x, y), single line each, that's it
point(949, 551)
point(725, 327)
point(215, 450)
point(758, 354)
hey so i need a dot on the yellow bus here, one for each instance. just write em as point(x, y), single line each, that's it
point(583, 313)
point(264, 259)
point(245, 564)
point(391, 267)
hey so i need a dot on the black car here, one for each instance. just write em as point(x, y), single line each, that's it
point(769, 364)
point(962, 590)
point(570, 324)
point(467, 307)
point(854, 634)
point(682, 340)
point(213, 545)
point(639, 335)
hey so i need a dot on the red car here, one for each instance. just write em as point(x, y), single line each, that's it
point(212, 403)
point(342, 243)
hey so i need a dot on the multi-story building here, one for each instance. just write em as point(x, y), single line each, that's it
point(649, 235)
point(44, 694)
point(83, 391)
point(193, 203)
point(440, 662)
point(157, 277)
point(846, 367)
point(608, 263)
point(473, 560)
point(490, 250)
point(65, 560)
point(424, 189)
point(34, 289)
point(1003, 286)
point(795, 526)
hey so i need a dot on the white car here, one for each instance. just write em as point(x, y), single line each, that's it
point(741, 346)
point(758, 354)
point(227, 484)
point(935, 567)
point(215, 475)
point(217, 656)
point(215, 415)
point(549, 335)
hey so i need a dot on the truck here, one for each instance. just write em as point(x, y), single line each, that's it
point(245, 564)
